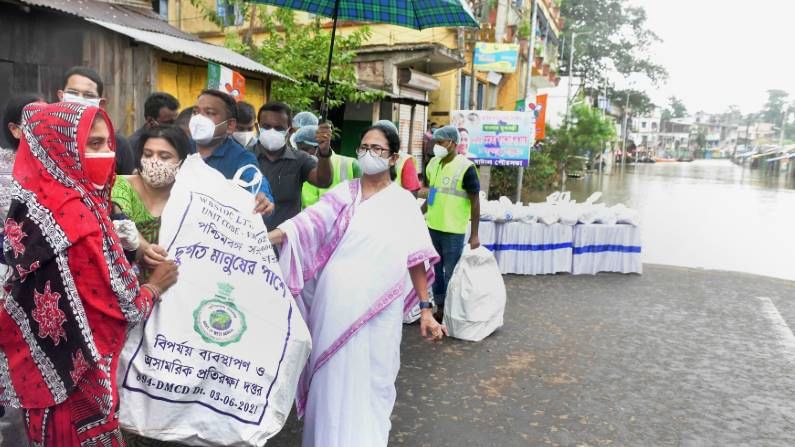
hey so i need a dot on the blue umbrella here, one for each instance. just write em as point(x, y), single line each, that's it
point(416, 14)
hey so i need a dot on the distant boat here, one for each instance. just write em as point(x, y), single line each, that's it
point(664, 160)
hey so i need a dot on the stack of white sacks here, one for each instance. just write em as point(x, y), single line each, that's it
point(558, 208)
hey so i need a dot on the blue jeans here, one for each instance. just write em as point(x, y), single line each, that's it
point(449, 246)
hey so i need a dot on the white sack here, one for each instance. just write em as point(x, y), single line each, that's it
point(218, 361)
point(475, 299)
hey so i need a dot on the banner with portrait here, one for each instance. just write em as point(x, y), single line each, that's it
point(495, 138)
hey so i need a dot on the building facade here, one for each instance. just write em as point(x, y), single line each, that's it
point(129, 44)
point(425, 75)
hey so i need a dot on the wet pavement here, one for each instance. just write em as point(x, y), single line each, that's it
point(676, 357)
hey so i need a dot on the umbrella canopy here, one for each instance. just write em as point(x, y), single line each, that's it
point(416, 14)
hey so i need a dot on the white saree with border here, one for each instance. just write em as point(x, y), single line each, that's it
point(346, 261)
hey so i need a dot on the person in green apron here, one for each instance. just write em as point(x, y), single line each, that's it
point(342, 168)
point(453, 202)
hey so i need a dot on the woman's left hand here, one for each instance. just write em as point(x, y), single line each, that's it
point(430, 329)
point(263, 205)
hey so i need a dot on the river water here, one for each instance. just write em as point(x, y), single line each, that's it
point(708, 213)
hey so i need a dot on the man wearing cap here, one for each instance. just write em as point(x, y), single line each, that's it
point(405, 168)
point(453, 202)
point(286, 168)
point(342, 167)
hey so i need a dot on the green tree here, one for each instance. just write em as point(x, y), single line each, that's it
point(701, 139)
point(612, 33)
point(588, 131)
point(300, 51)
point(773, 110)
point(639, 102)
point(677, 107)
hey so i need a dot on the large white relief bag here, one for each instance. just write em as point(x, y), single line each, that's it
point(476, 296)
point(218, 361)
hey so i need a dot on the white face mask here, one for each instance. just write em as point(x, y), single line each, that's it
point(372, 165)
point(246, 139)
point(157, 173)
point(272, 140)
point(202, 129)
point(71, 97)
point(440, 151)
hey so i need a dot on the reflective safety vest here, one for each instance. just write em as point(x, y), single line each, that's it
point(449, 207)
point(341, 170)
point(402, 159)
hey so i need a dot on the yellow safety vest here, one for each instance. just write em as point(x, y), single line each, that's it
point(449, 207)
point(341, 170)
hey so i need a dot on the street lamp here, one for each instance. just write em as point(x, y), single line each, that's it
point(571, 68)
point(630, 84)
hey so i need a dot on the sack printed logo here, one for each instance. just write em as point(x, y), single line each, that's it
point(218, 320)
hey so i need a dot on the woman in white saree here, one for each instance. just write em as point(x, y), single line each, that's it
point(356, 261)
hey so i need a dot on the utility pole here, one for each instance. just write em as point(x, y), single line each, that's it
point(626, 133)
point(571, 76)
point(530, 60)
point(485, 171)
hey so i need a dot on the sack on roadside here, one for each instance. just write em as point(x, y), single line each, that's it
point(475, 300)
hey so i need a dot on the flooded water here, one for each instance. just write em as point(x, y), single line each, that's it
point(711, 214)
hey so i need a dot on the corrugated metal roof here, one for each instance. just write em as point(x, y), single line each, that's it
point(195, 48)
point(138, 18)
point(145, 26)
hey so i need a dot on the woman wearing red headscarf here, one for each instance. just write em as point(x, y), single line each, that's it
point(73, 295)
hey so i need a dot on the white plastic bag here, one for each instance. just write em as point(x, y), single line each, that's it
point(606, 216)
point(504, 210)
point(547, 213)
point(218, 361)
point(569, 213)
point(475, 300)
point(590, 213)
point(626, 215)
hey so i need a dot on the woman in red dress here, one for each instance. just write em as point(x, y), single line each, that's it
point(66, 309)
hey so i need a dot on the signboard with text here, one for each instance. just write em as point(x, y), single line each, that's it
point(496, 57)
point(495, 138)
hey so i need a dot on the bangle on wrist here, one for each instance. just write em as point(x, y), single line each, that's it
point(154, 290)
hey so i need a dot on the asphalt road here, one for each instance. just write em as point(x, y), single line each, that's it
point(676, 357)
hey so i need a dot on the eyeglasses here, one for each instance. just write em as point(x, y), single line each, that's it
point(373, 148)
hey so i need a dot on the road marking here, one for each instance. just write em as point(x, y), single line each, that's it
point(784, 334)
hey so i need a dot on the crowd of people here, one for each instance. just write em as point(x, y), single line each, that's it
point(82, 207)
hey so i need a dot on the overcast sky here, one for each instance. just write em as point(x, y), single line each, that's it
point(723, 52)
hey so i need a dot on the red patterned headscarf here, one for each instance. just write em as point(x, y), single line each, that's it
point(73, 294)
